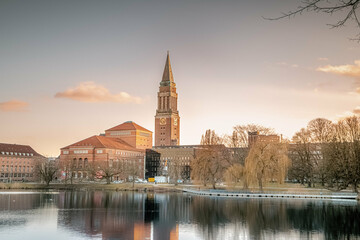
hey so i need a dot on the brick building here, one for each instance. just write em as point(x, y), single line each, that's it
point(167, 119)
point(254, 137)
point(18, 162)
point(132, 134)
point(123, 143)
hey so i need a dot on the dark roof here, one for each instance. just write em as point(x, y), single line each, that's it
point(16, 148)
point(167, 75)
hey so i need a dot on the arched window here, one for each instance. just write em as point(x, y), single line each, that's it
point(85, 162)
point(74, 164)
point(80, 163)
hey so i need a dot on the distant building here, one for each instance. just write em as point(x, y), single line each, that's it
point(159, 159)
point(123, 143)
point(254, 137)
point(18, 162)
point(167, 119)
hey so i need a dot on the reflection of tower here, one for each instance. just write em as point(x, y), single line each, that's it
point(142, 231)
point(151, 209)
point(174, 234)
point(167, 120)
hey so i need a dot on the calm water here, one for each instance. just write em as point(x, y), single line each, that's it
point(126, 215)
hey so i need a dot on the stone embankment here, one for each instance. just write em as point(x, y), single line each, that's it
point(298, 195)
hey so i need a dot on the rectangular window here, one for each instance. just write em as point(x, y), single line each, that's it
point(80, 151)
point(120, 133)
point(65, 152)
point(99, 151)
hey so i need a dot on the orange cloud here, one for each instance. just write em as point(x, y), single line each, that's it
point(91, 92)
point(322, 59)
point(357, 110)
point(13, 106)
point(345, 70)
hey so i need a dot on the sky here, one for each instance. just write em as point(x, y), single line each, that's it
point(72, 69)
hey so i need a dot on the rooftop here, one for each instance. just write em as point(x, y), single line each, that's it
point(103, 142)
point(129, 125)
point(11, 149)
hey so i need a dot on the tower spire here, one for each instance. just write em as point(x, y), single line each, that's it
point(167, 75)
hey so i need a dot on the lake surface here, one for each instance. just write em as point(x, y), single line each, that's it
point(128, 215)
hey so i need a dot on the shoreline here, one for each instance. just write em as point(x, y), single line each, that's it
point(280, 193)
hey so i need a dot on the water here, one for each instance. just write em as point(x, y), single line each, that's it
point(127, 215)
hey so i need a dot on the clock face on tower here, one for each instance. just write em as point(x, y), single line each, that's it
point(175, 121)
point(162, 121)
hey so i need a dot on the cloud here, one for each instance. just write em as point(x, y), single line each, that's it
point(345, 70)
point(357, 110)
point(322, 59)
point(13, 106)
point(91, 92)
point(287, 64)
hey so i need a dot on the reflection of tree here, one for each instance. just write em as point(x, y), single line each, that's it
point(124, 215)
point(261, 216)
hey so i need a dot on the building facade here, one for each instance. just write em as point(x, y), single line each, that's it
point(122, 144)
point(254, 137)
point(18, 162)
point(171, 161)
point(167, 119)
point(131, 133)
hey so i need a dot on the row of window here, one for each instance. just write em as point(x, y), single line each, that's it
point(79, 164)
point(16, 175)
point(13, 161)
point(16, 168)
point(81, 151)
point(180, 158)
point(100, 151)
point(17, 154)
point(120, 133)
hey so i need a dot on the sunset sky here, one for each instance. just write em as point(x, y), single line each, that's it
point(71, 69)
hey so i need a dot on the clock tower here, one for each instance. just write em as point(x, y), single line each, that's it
point(167, 120)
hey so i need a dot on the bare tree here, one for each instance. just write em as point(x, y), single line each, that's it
point(344, 154)
point(69, 167)
point(239, 137)
point(302, 159)
point(175, 170)
point(106, 169)
point(210, 138)
point(348, 10)
point(321, 130)
point(210, 162)
point(46, 170)
point(266, 162)
point(132, 170)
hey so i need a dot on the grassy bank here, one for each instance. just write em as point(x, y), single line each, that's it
point(89, 187)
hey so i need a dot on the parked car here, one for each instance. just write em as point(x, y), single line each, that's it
point(118, 181)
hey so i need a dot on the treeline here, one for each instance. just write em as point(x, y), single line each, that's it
point(228, 158)
point(324, 152)
point(327, 153)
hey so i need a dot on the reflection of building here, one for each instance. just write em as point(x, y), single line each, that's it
point(123, 143)
point(167, 120)
point(123, 215)
point(17, 162)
